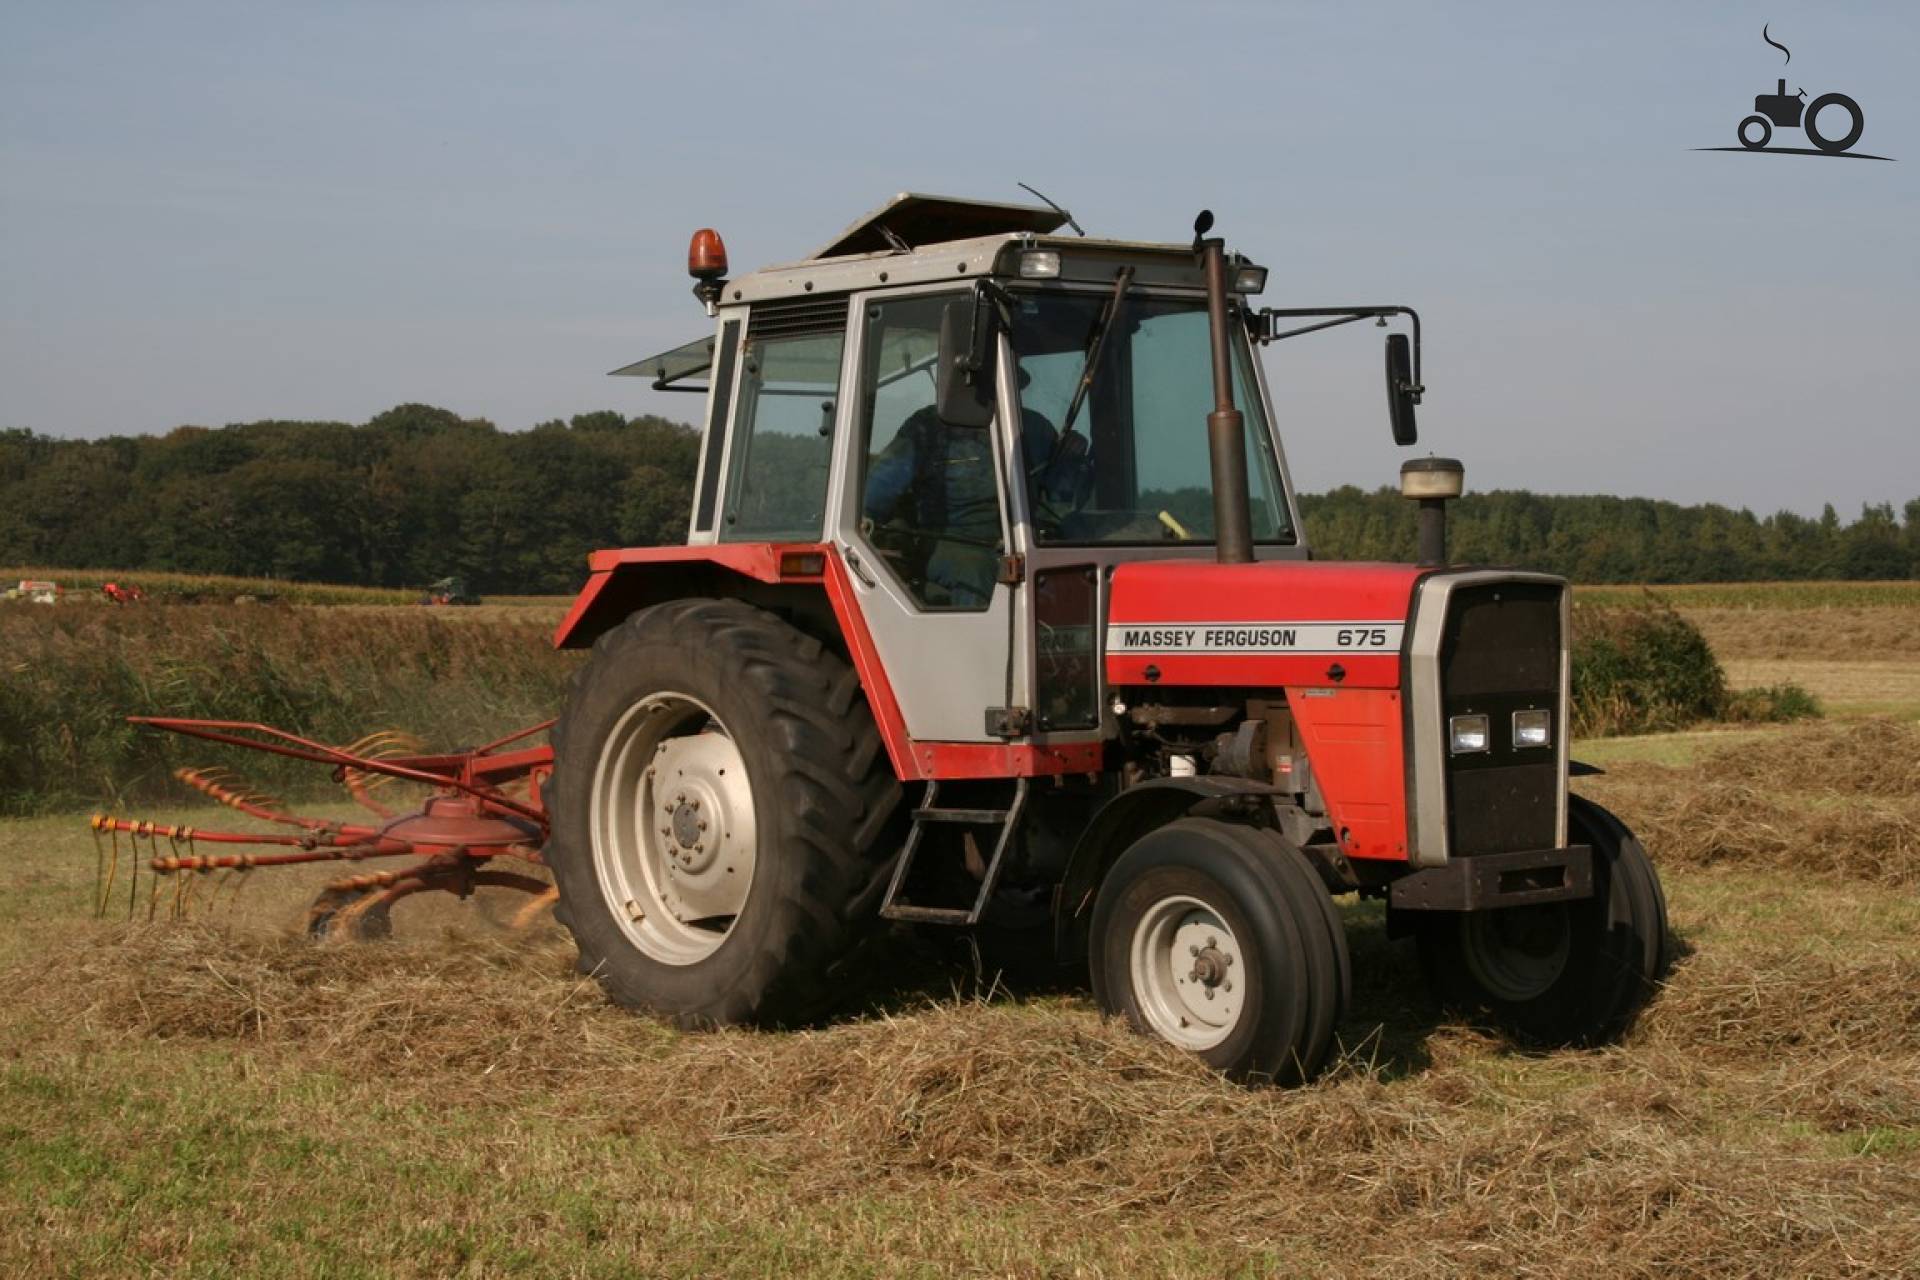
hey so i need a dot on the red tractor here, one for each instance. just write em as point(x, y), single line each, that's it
point(996, 609)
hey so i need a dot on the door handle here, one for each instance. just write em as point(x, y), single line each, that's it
point(853, 562)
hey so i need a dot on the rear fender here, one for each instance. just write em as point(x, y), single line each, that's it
point(1120, 822)
point(621, 582)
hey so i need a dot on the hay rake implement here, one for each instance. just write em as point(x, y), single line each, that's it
point(483, 808)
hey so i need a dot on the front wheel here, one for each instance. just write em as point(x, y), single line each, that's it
point(1755, 141)
point(1559, 973)
point(1221, 939)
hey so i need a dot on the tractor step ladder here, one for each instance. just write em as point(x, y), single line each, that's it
point(1007, 821)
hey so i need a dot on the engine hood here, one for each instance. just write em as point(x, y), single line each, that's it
point(1300, 623)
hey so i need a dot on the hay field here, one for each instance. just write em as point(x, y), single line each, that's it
point(220, 1097)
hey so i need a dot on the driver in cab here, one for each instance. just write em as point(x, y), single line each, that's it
point(935, 484)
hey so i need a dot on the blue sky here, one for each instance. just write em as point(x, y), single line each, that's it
point(220, 212)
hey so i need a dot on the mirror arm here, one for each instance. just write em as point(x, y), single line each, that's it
point(1264, 328)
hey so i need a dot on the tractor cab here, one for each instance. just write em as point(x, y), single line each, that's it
point(983, 417)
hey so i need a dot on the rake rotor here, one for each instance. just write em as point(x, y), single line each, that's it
point(484, 805)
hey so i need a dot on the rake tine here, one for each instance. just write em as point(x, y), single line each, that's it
point(133, 872)
point(99, 869)
point(153, 897)
point(213, 894)
point(529, 912)
point(113, 870)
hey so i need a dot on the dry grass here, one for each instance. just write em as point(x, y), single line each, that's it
point(1836, 634)
point(1840, 798)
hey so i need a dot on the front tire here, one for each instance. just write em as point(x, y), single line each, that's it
point(721, 808)
point(1560, 973)
point(1220, 939)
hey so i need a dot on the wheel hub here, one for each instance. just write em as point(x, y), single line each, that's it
point(691, 794)
point(1188, 973)
point(1518, 953)
point(674, 839)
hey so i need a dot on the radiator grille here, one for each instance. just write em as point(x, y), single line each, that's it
point(1500, 653)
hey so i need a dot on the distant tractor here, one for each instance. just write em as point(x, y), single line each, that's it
point(37, 591)
point(996, 609)
point(121, 593)
point(448, 591)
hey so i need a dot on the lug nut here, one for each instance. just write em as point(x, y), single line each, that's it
point(1193, 951)
point(1209, 993)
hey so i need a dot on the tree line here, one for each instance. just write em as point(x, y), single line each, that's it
point(420, 493)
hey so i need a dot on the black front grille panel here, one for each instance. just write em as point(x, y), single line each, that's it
point(1500, 653)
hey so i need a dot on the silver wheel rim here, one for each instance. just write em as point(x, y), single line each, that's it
point(1188, 972)
point(673, 829)
point(1517, 953)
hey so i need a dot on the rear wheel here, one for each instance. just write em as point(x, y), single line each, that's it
point(1560, 973)
point(721, 807)
point(1856, 122)
point(1221, 939)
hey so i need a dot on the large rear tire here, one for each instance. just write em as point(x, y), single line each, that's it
point(721, 810)
point(1563, 973)
point(1222, 940)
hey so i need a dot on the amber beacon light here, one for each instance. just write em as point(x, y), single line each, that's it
point(707, 264)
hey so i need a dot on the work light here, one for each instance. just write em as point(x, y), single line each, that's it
point(1467, 734)
point(1040, 264)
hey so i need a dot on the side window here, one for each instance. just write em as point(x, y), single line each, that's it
point(783, 438)
point(929, 498)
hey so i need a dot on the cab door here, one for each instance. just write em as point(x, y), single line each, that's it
point(922, 524)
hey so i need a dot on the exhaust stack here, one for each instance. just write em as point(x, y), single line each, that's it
point(1226, 432)
point(1433, 483)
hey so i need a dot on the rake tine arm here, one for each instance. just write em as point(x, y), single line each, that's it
point(233, 733)
point(252, 805)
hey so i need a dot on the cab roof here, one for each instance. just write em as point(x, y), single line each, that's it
point(914, 219)
point(915, 238)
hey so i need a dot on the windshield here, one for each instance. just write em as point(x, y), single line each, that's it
point(1134, 466)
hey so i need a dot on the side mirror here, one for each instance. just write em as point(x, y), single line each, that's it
point(1402, 393)
point(963, 375)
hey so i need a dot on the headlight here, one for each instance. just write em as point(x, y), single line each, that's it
point(1249, 279)
point(1467, 734)
point(1533, 728)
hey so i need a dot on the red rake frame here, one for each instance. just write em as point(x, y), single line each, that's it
point(472, 817)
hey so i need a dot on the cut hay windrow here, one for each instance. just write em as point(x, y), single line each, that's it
point(1840, 798)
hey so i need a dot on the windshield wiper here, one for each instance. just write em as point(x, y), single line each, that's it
point(1097, 343)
